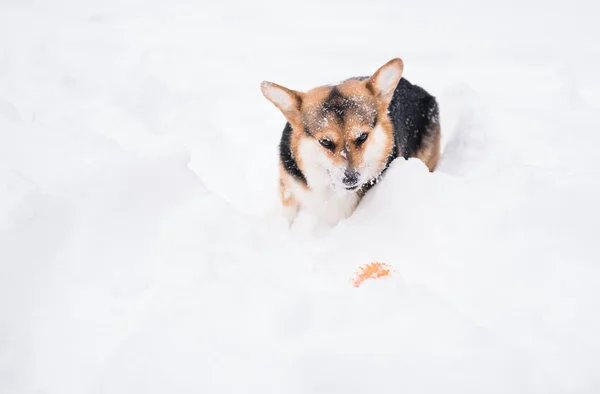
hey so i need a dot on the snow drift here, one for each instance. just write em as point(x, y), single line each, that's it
point(138, 247)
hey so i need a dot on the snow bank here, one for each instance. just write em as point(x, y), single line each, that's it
point(138, 251)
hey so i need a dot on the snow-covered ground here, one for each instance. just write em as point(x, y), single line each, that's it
point(138, 171)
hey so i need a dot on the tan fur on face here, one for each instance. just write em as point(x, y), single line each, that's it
point(361, 111)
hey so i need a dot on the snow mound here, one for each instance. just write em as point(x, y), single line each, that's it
point(138, 179)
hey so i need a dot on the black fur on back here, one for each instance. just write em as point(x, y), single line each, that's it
point(413, 113)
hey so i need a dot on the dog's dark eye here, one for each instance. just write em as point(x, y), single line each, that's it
point(361, 138)
point(327, 143)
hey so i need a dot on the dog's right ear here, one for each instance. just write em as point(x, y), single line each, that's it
point(288, 101)
point(383, 83)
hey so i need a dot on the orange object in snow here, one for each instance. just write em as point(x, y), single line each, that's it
point(374, 270)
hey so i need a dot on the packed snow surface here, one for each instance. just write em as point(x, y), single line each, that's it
point(141, 252)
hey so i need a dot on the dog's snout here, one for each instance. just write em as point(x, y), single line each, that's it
point(350, 178)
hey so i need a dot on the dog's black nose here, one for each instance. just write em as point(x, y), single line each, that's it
point(350, 178)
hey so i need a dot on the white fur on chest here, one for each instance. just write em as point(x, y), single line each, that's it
point(325, 203)
point(324, 198)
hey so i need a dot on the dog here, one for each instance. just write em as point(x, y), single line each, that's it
point(340, 139)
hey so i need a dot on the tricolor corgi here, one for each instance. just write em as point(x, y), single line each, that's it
point(339, 139)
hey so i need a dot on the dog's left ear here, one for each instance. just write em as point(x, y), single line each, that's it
point(288, 101)
point(383, 83)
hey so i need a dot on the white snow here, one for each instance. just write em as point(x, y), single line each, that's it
point(139, 252)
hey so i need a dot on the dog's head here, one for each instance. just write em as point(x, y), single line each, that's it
point(342, 135)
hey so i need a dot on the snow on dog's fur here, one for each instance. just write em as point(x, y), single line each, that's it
point(339, 139)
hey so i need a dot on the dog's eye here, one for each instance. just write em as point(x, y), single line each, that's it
point(361, 138)
point(327, 143)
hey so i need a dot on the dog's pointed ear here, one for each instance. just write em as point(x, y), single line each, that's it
point(288, 101)
point(383, 83)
